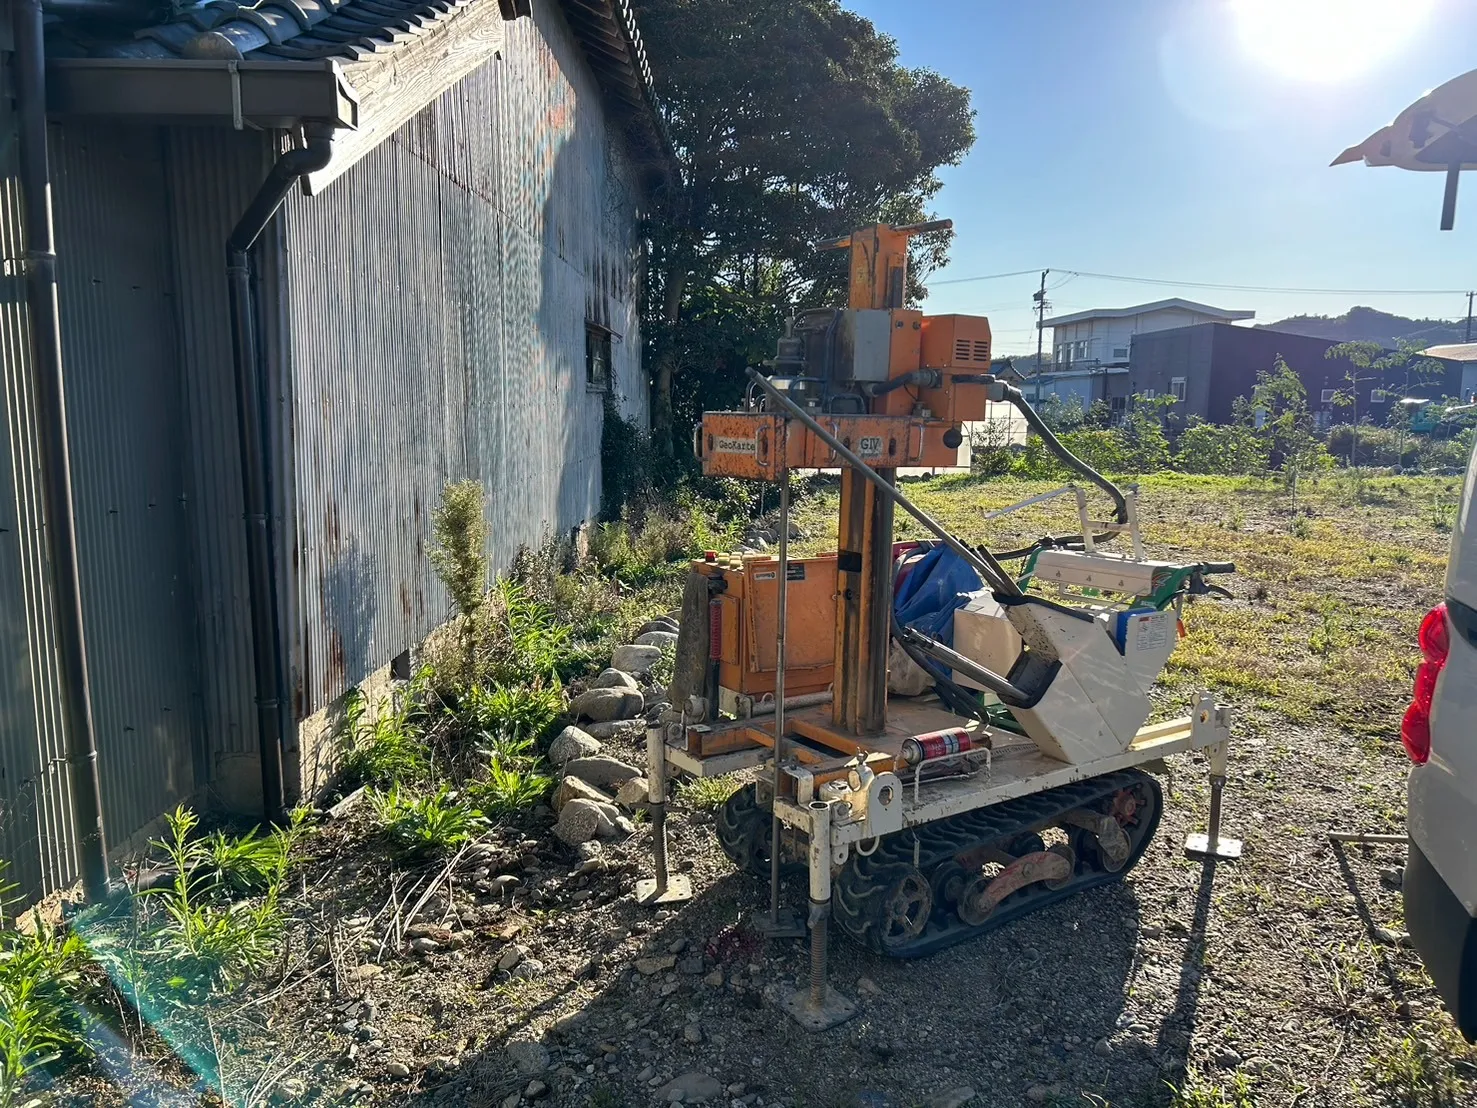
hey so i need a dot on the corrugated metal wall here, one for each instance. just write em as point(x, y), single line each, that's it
point(439, 293)
point(35, 820)
point(125, 420)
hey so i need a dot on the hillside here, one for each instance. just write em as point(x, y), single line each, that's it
point(1369, 325)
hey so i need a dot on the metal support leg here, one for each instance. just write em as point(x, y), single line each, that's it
point(664, 888)
point(778, 924)
point(1211, 844)
point(818, 1007)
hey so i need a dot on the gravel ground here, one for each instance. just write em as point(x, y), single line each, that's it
point(1281, 979)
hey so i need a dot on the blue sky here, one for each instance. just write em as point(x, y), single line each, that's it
point(1189, 140)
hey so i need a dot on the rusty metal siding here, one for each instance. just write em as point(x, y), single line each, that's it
point(128, 443)
point(437, 295)
point(211, 176)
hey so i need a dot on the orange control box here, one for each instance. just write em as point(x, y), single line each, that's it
point(745, 444)
point(748, 613)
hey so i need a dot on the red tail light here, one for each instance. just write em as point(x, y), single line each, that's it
point(1415, 728)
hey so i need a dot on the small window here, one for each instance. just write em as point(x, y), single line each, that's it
point(1118, 403)
point(1328, 395)
point(1322, 420)
point(1378, 396)
point(1120, 352)
point(1148, 394)
point(1177, 388)
point(597, 358)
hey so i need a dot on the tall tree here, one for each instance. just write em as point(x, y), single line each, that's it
point(793, 121)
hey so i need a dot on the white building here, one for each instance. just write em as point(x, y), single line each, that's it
point(1088, 348)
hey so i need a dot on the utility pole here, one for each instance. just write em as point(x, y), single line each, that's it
point(1469, 318)
point(1041, 305)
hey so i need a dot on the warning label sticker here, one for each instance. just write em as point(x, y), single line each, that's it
point(1151, 632)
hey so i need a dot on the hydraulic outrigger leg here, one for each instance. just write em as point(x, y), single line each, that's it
point(817, 1006)
point(665, 887)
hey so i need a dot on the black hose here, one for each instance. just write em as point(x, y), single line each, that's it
point(1058, 448)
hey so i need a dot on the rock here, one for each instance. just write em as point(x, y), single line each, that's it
point(1151, 932)
point(602, 771)
point(677, 945)
point(607, 704)
point(1038, 1094)
point(398, 1069)
point(624, 827)
point(504, 882)
point(693, 1033)
point(648, 966)
point(587, 867)
point(647, 1074)
point(952, 1098)
point(1102, 1048)
point(694, 1087)
point(635, 658)
point(530, 1058)
point(693, 965)
point(535, 1089)
point(512, 1099)
point(586, 851)
point(1391, 937)
point(714, 980)
point(616, 730)
point(511, 957)
point(425, 946)
point(577, 788)
point(581, 820)
point(294, 1088)
point(572, 743)
point(657, 639)
point(368, 1032)
point(611, 678)
point(1393, 877)
point(871, 1098)
point(660, 623)
point(1226, 1058)
point(868, 987)
point(633, 793)
point(528, 969)
point(365, 972)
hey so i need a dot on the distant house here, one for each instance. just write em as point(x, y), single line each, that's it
point(1465, 355)
point(1090, 348)
point(1209, 365)
point(450, 290)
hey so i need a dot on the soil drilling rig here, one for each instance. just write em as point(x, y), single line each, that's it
point(924, 821)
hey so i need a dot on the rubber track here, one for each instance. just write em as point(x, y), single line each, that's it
point(865, 877)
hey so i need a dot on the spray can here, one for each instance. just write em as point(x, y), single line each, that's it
point(935, 744)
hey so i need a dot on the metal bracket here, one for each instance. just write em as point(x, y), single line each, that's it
point(833, 1010)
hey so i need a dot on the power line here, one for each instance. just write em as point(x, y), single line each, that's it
point(1208, 284)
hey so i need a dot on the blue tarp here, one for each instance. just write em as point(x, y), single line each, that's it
point(936, 584)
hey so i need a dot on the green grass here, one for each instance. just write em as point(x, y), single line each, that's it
point(706, 793)
point(1420, 1069)
point(1201, 1092)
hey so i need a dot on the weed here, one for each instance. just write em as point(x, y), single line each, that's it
point(1417, 1071)
point(1199, 1092)
point(1441, 516)
point(40, 975)
point(508, 719)
point(665, 667)
point(428, 825)
point(188, 943)
point(603, 1095)
point(1300, 528)
point(460, 531)
point(508, 789)
point(706, 793)
point(251, 864)
point(389, 748)
point(1237, 521)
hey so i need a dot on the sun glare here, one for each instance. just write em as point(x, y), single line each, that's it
point(1326, 40)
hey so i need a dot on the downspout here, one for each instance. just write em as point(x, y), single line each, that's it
point(251, 429)
point(56, 466)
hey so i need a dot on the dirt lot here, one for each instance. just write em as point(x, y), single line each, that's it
point(1279, 980)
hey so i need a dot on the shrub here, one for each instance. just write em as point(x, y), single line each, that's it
point(508, 716)
point(509, 788)
point(459, 528)
point(1378, 446)
point(428, 825)
point(1212, 448)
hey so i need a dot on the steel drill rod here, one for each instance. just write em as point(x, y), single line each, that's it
point(1361, 837)
point(775, 830)
point(987, 565)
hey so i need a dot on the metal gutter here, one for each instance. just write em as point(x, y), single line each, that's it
point(262, 95)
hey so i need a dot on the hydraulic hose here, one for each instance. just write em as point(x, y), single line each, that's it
point(1059, 449)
